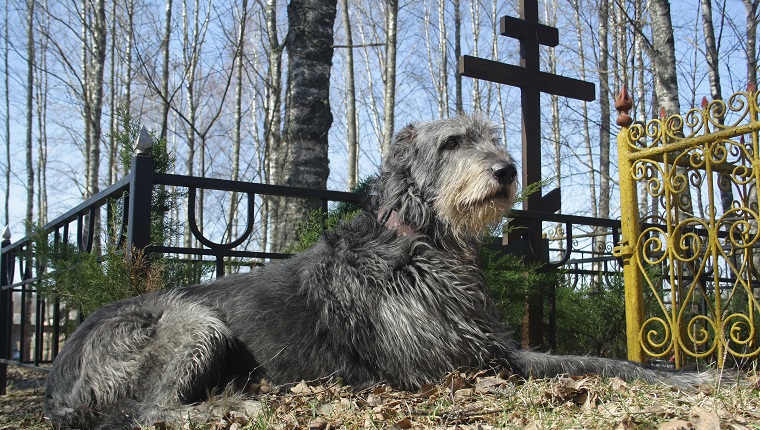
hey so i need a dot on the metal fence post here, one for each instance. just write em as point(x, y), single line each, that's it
point(629, 219)
point(140, 194)
point(6, 312)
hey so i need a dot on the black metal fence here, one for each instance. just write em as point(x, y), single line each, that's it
point(32, 329)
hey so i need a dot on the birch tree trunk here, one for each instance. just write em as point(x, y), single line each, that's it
point(584, 112)
point(272, 122)
point(443, 69)
point(711, 50)
point(475, 17)
point(190, 49)
point(112, 146)
point(127, 103)
point(41, 82)
point(604, 122)
point(236, 136)
point(95, 83)
point(641, 104)
point(751, 8)
point(307, 107)
point(86, 99)
point(389, 76)
point(664, 57)
point(713, 71)
point(550, 17)
point(6, 51)
point(352, 138)
point(666, 78)
point(459, 104)
point(165, 67)
point(495, 55)
point(30, 56)
point(26, 335)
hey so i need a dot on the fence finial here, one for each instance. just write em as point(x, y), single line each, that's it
point(623, 104)
point(6, 233)
point(144, 142)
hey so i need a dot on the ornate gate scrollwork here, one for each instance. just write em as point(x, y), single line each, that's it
point(691, 251)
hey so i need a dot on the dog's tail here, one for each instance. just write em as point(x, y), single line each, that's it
point(539, 365)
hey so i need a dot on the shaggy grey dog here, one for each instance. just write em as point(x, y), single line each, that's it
point(395, 296)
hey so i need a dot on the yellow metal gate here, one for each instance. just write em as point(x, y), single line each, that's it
point(690, 239)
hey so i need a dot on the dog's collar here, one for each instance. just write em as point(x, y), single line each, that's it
point(393, 222)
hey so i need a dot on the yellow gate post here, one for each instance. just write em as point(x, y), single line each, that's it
point(629, 213)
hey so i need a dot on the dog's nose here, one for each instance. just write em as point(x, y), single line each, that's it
point(505, 173)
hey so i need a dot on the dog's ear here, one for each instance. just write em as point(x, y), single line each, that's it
point(403, 140)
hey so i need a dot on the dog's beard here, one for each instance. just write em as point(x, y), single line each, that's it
point(477, 213)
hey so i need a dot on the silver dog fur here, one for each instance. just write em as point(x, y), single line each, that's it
point(393, 296)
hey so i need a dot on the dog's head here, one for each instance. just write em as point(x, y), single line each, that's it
point(454, 170)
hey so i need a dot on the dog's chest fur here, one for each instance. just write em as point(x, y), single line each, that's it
point(404, 301)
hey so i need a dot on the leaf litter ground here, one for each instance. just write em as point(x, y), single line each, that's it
point(463, 400)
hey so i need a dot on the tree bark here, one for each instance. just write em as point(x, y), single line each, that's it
point(99, 31)
point(95, 82)
point(127, 104)
point(475, 16)
point(459, 103)
point(352, 138)
point(273, 151)
point(165, 66)
point(307, 108)
point(443, 69)
point(236, 136)
point(713, 71)
point(751, 8)
point(604, 123)
point(495, 54)
point(7, 121)
point(28, 333)
point(41, 82)
point(112, 147)
point(30, 56)
point(584, 113)
point(711, 50)
point(389, 76)
point(550, 10)
point(664, 57)
point(666, 78)
point(190, 49)
point(640, 100)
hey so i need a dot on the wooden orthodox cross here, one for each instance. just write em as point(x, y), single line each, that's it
point(532, 82)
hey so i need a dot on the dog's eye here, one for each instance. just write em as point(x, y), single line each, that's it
point(451, 143)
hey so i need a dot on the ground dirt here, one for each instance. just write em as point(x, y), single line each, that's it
point(463, 400)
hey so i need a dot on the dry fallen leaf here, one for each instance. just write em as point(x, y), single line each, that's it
point(427, 391)
point(627, 423)
point(618, 385)
point(578, 390)
point(676, 425)
point(489, 384)
point(705, 419)
point(374, 400)
point(301, 388)
point(406, 423)
point(318, 423)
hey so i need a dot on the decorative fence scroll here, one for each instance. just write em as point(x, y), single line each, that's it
point(690, 239)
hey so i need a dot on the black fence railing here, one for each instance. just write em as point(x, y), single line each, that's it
point(32, 330)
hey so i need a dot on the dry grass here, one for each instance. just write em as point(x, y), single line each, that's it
point(463, 400)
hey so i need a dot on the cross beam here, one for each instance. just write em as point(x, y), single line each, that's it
point(532, 82)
